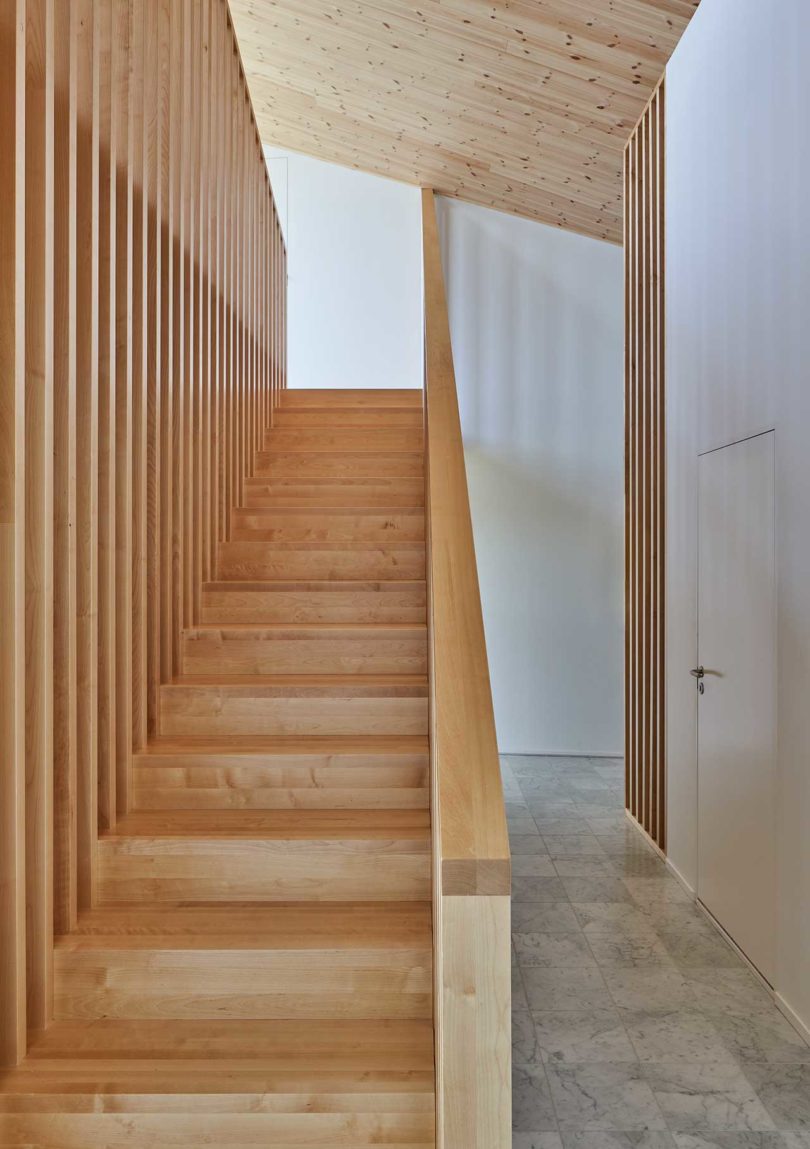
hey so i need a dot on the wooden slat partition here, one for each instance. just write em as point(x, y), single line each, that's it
point(470, 842)
point(645, 473)
point(142, 328)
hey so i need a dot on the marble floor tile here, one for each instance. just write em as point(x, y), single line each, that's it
point(654, 891)
point(729, 990)
point(573, 1036)
point(561, 825)
point(537, 889)
point(644, 988)
point(704, 1096)
point(636, 865)
point(612, 917)
point(725, 1140)
point(596, 890)
point(585, 867)
point(572, 845)
point(699, 947)
point(533, 866)
point(532, 1107)
point(568, 950)
point(525, 1050)
point(544, 917)
point(536, 1141)
point(784, 1090)
point(526, 844)
point(555, 988)
point(611, 823)
point(619, 950)
point(613, 1139)
point(601, 1095)
point(519, 999)
point(636, 1026)
point(762, 1036)
point(522, 824)
point(674, 1035)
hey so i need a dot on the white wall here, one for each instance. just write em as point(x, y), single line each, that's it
point(537, 324)
point(355, 274)
point(738, 339)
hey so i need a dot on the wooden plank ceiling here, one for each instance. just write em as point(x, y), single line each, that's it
point(522, 105)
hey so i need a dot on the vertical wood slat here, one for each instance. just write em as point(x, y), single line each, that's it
point(65, 713)
point(121, 161)
point(39, 507)
point(645, 772)
point(12, 530)
point(84, 329)
point(140, 339)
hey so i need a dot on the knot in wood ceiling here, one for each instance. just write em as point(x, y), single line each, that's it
point(520, 105)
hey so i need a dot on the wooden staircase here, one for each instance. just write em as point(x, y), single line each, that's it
point(257, 969)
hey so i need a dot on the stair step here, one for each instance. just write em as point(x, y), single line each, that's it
point(282, 773)
point(314, 601)
point(337, 464)
point(266, 856)
point(168, 1084)
point(340, 524)
point(345, 560)
point(351, 960)
point(371, 417)
point(334, 397)
point(303, 649)
point(302, 497)
point(290, 704)
point(349, 440)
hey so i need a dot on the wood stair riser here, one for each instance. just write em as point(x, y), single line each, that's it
point(328, 526)
point(235, 983)
point(223, 777)
point(346, 440)
point(279, 651)
point(255, 561)
point(350, 398)
point(130, 1125)
point(265, 788)
point(391, 602)
point(373, 418)
point(165, 869)
point(217, 710)
point(302, 465)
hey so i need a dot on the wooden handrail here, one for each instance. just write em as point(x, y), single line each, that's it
point(473, 839)
point(471, 883)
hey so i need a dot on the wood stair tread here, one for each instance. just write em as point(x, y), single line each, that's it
point(290, 926)
point(391, 586)
point(303, 684)
point(282, 1044)
point(273, 824)
point(309, 629)
point(251, 745)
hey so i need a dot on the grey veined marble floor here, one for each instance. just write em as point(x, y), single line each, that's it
point(635, 1026)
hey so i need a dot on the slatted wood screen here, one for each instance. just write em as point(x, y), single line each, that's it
point(142, 348)
point(645, 472)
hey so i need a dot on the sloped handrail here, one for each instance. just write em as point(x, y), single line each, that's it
point(470, 841)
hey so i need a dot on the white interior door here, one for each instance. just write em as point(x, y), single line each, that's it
point(736, 710)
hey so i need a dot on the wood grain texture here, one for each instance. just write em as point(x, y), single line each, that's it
point(521, 106)
point(645, 496)
point(466, 771)
point(39, 93)
point(12, 532)
point(106, 271)
point(471, 859)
